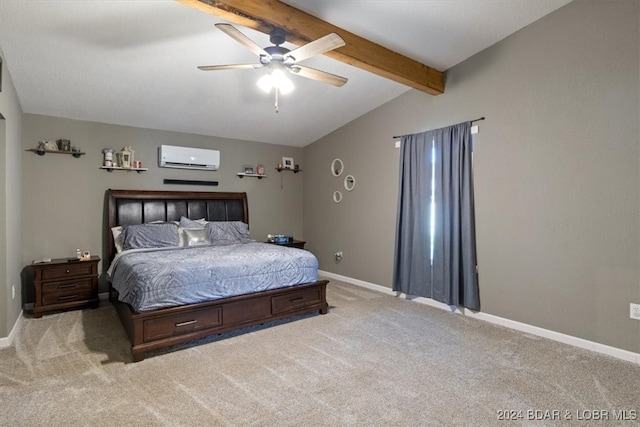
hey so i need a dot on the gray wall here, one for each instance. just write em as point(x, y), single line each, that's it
point(556, 174)
point(10, 203)
point(64, 197)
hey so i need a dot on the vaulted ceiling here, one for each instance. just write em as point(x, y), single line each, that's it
point(134, 62)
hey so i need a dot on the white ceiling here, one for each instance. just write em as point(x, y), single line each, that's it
point(133, 62)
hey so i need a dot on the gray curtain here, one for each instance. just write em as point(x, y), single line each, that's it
point(451, 278)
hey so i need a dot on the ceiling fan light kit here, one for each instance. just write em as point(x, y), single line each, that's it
point(279, 59)
point(276, 79)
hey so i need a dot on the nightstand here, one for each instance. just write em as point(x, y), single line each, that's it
point(292, 244)
point(61, 284)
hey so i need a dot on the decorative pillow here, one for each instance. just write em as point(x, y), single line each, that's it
point(117, 238)
point(159, 235)
point(195, 236)
point(191, 223)
point(228, 232)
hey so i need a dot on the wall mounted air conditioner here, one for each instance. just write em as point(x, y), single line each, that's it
point(170, 156)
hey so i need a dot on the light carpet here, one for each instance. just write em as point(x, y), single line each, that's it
point(373, 360)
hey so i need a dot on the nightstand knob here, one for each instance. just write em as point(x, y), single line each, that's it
point(68, 271)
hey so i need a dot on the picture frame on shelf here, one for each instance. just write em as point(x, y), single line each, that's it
point(287, 163)
point(248, 169)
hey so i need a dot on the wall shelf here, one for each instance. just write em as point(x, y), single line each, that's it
point(115, 168)
point(289, 170)
point(43, 152)
point(252, 175)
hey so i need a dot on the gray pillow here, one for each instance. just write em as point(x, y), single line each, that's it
point(150, 235)
point(228, 232)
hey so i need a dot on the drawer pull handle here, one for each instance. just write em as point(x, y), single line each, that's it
point(68, 297)
point(189, 322)
point(68, 271)
point(68, 285)
point(294, 300)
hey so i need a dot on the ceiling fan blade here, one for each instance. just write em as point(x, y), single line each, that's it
point(235, 34)
point(229, 67)
point(321, 76)
point(323, 44)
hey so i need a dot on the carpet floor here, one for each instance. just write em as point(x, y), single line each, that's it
point(373, 360)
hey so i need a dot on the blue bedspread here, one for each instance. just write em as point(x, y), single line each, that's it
point(151, 279)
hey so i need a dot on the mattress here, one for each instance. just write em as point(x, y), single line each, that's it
point(149, 279)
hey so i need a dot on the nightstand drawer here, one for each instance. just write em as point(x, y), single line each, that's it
point(70, 270)
point(61, 292)
point(293, 300)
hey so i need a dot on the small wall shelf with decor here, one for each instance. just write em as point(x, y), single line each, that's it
point(121, 160)
point(75, 154)
point(252, 175)
point(116, 168)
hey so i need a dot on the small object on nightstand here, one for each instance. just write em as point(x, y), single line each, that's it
point(281, 238)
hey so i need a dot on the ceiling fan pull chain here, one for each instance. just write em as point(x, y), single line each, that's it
point(276, 105)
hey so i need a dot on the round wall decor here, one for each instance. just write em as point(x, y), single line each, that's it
point(337, 167)
point(349, 182)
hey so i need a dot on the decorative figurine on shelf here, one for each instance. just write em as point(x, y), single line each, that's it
point(50, 146)
point(125, 157)
point(108, 157)
point(260, 170)
point(64, 144)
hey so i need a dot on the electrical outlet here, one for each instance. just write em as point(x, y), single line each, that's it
point(338, 256)
point(13, 292)
point(634, 311)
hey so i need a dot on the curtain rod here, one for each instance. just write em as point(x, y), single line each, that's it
point(472, 121)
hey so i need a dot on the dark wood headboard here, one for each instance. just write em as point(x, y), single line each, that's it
point(129, 207)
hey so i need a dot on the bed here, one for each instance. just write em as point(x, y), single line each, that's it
point(161, 305)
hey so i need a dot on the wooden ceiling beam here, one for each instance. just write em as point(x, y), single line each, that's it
point(301, 28)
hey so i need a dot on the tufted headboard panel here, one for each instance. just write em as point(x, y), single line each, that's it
point(129, 207)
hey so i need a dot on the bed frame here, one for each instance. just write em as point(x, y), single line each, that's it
point(157, 329)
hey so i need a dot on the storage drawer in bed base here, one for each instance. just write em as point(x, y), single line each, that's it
point(157, 329)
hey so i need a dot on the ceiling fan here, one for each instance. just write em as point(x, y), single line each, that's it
point(279, 59)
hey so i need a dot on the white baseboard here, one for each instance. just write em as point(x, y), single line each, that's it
point(618, 353)
point(7, 341)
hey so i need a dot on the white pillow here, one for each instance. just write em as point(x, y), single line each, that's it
point(117, 238)
point(195, 236)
